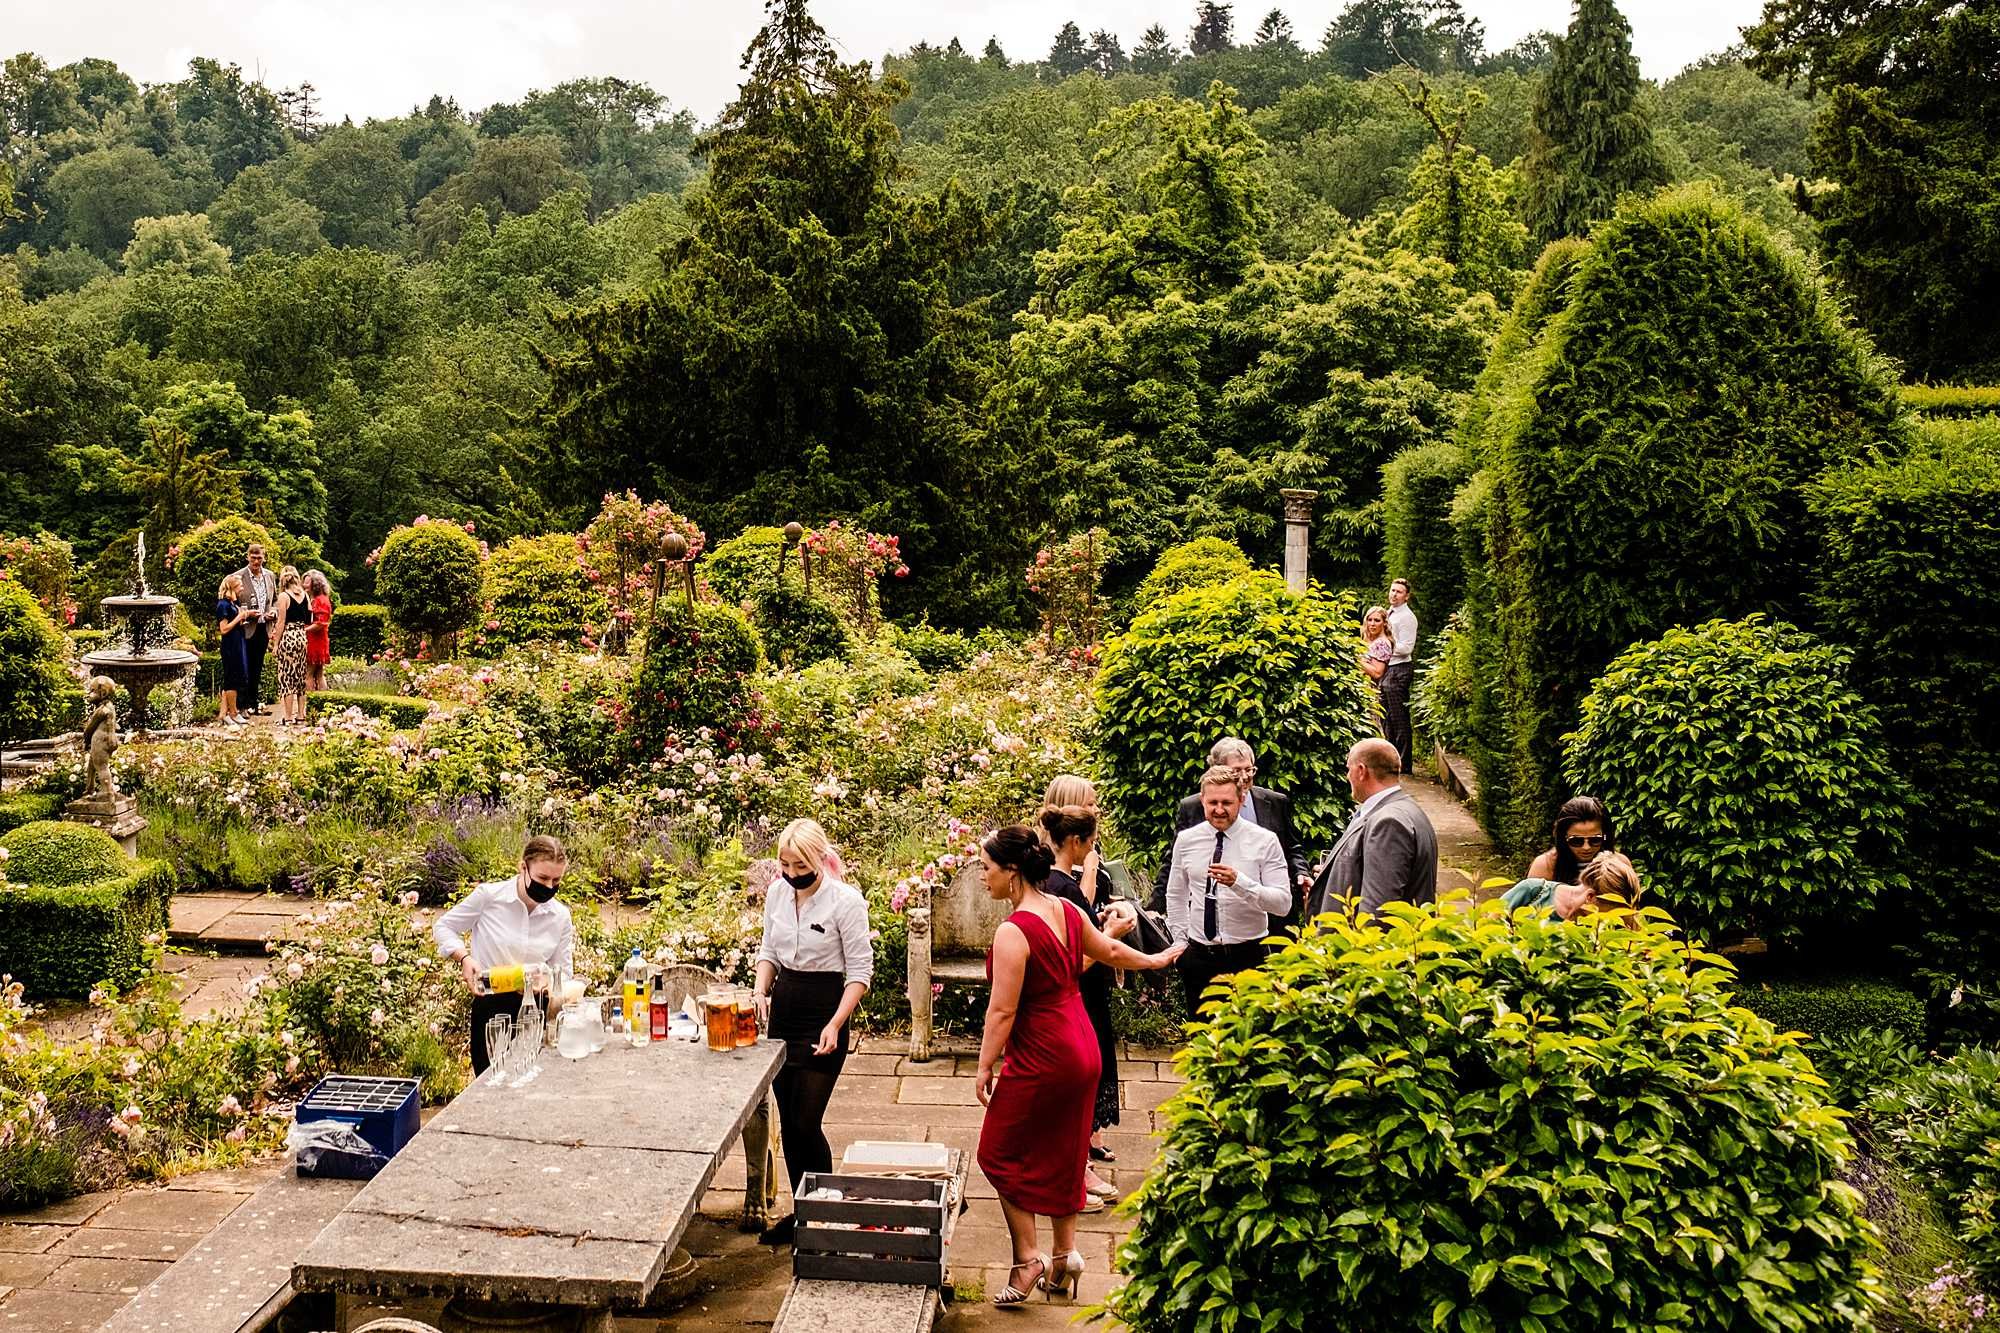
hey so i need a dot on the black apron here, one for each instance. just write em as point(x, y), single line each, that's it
point(802, 1004)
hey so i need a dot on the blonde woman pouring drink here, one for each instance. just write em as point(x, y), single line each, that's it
point(512, 921)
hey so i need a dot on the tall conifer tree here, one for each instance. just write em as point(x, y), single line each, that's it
point(1213, 28)
point(1155, 53)
point(1068, 55)
point(1591, 142)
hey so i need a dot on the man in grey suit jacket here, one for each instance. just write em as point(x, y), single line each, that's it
point(1388, 852)
point(260, 594)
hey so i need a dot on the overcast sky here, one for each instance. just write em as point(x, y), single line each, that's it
point(379, 57)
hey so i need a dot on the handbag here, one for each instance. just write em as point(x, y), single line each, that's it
point(1150, 934)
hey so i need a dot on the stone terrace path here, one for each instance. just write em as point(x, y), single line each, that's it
point(70, 1266)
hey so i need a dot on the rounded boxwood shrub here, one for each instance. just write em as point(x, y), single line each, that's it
point(430, 575)
point(695, 674)
point(747, 563)
point(1652, 455)
point(1201, 563)
point(59, 854)
point(32, 676)
point(798, 628)
point(205, 556)
point(1447, 1120)
point(1245, 658)
point(538, 589)
point(1747, 776)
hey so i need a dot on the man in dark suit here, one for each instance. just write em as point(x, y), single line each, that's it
point(1388, 852)
point(1262, 806)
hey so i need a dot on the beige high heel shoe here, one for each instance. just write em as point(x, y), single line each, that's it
point(1065, 1278)
point(1011, 1295)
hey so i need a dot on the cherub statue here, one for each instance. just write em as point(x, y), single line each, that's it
point(100, 736)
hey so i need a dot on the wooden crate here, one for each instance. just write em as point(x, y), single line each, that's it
point(831, 1240)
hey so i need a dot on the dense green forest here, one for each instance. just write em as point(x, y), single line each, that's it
point(975, 298)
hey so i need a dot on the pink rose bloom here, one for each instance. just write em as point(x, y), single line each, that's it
point(379, 955)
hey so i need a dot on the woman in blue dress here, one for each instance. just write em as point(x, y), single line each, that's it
point(229, 618)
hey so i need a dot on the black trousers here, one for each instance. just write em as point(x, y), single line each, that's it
point(802, 1004)
point(1396, 708)
point(253, 649)
point(1203, 963)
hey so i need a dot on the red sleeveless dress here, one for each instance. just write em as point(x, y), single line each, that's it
point(1036, 1135)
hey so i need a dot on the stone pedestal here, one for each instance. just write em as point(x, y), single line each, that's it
point(117, 815)
point(1298, 535)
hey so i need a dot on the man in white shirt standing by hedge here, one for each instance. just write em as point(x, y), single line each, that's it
point(1402, 668)
point(1227, 879)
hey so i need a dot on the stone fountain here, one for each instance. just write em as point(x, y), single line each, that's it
point(147, 658)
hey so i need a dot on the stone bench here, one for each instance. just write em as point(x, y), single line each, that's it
point(949, 934)
point(238, 1279)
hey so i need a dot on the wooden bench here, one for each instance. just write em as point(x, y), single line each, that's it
point(950, 931)
point(238, 1279)
point(819, 1305)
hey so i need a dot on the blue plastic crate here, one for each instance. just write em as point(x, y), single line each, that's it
point(382, 1110)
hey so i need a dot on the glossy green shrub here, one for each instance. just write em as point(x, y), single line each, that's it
point(1834, 1009)
point(1748, 777)
point(204, 556)
point(60, 941)
point(430, 576)
point(1441, 705)
point(695, 673)
point(1910, 578)
point(738, 569)
point(1418, 487)
point(1942, 1121)
point(935, 650)
point(798, 628)
point(397, 710)
point(32, 676)
point(358, 630)
point(1651, 461)
point(1201, 563)
point(25, 807)
point(537, 588)
point(1448, 1120)
point(1245, 658)
point(58, 853)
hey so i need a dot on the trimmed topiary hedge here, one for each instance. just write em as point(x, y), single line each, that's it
point(430, 575)
point(57, 853)
point(397, 710)
point(1952, 400)
point(537, 588)
point(25, 807)
point(747, 563)
point(1910, 577)
point(1651, 463)
point(935, 650)
point(358, 630)
point(1201, 563)
point(32, 674)
point(205, 556)
point(1450, 1121)
point(1748, 777)
point(798, 628)
point(1245, 658)
point(1418, 489)
point(1833, 1009)
point(60, 942)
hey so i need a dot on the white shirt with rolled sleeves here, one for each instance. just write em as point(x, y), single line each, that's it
point(1262, 888)
point(1402, 634)
point(506, 930)
point(829, 934)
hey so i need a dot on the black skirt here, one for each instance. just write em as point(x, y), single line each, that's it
point(802, 1004)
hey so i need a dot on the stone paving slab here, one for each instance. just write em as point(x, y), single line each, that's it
point(116, 1243)
point(49, 1310)
point(126, 1276)
point(168, 1210)
point(29, 1270)
point(68, 1212)
point(18, 1239)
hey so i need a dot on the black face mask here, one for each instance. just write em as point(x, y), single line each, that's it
point(804, 881)
point(539, 891)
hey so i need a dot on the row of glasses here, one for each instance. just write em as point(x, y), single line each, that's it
point(514, 1047)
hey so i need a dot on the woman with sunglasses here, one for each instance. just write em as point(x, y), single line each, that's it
point(513, 922)
point(1583, 829)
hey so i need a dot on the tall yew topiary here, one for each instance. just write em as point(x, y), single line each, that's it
point(1455, 1121)
point(1244, 658)
point(1748, 777)
point(1652, 457)
point(1910, 577)
point(1590, 140)
point(1418, 488)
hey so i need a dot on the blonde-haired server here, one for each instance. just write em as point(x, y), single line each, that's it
point(813, 968)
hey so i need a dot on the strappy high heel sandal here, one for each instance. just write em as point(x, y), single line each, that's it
point(1065, 1279)
point(1013, 1295)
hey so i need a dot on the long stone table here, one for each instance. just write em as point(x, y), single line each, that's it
point(569, 1192)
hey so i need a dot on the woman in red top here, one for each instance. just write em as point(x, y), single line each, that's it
point(318, 648)
point(1038, 1103)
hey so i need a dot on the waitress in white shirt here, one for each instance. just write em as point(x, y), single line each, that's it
point(513, 921)
point(812, 970)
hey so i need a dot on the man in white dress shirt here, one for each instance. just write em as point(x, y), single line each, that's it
point(1226, 879)
point(1402, 669)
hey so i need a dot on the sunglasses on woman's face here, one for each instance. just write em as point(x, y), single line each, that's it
point(1585, 840)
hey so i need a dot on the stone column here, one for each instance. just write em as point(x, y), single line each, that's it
point(1298, 531)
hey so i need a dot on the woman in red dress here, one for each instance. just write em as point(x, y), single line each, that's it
point(318, 647)
point(1038, 1102)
